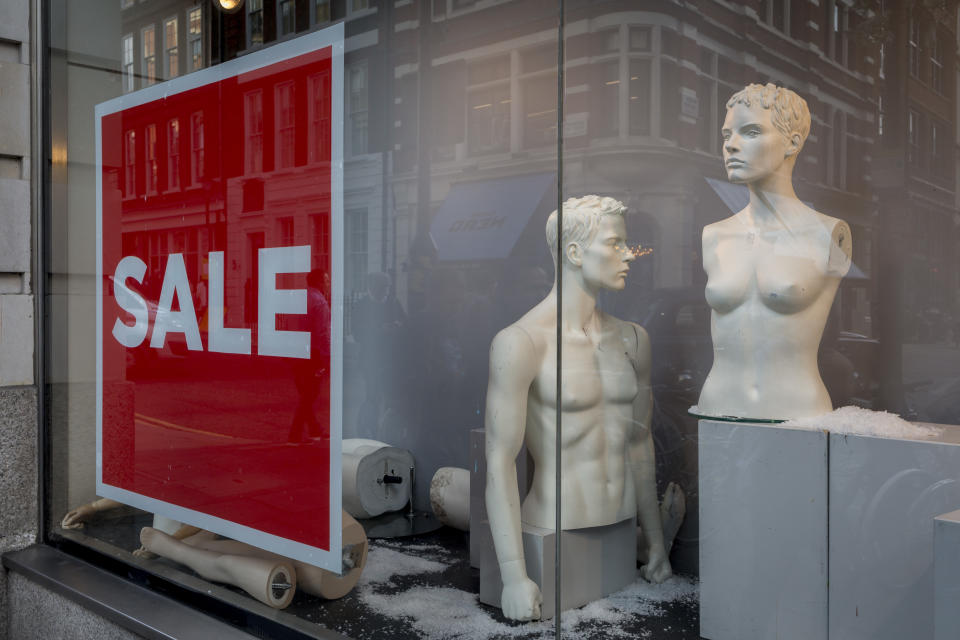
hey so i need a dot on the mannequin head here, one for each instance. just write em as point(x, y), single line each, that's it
point(603, 259)
point(764, 130)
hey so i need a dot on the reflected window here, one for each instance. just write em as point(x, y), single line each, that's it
point(286, 229)
point(640, 78)
point(284, 119)
point(253, 132)
point(130, 164)
point(936, 62)
point(605, 99)
point(488, 105)
point(540, 106)
point(171, 50)
point(173, 154)
point(359, 5)
point(914, 44)
point(357, 108)
point(320, 231)
point(913, 137)
point(196, 148)
point(319, 113)
point(837, 31)
point(776, 13)
point(152, 168)
point(127, 69)
point(126, 4)
point(254, 22)
point(319, 11)
point(356, 251)
point(149, 55)
point(640, 39)
point(286, 18)
point(195, 38)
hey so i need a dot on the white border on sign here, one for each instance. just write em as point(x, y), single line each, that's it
point(329, 37)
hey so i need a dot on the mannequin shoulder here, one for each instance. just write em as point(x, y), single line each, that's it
point(840, 244)
point(713, 232)
point(515, 345)
point(635, 340)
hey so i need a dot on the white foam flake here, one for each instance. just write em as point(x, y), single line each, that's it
point(864, 422)
point(446, 613)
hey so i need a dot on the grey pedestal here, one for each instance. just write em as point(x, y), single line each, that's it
point(763, 532)
point(946, 576)
point(595, 562)
point(884, 496)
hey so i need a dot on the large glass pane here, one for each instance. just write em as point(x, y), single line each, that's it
point(776, 274)
point(248, 299)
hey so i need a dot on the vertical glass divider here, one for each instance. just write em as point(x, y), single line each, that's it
point(559, 275)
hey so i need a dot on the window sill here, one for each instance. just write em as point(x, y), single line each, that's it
point(120, 601)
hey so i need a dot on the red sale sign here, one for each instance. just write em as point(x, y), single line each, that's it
point(219, 298)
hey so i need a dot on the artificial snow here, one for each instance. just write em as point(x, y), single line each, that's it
point(385, 564)
point(464, 618)
point(864, 422)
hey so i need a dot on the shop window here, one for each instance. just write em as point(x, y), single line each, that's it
point(171, 49)
point(127, 68)
point(283, 118)
point(149, 55)
point(173, 154)
point(253, 132)
point(357, 108)
point(195, 38)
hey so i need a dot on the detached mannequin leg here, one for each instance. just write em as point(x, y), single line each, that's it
point(271, 581)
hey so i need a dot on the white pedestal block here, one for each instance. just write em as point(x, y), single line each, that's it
point(884, 496)
point(595, 562)
point(946, 576)
point(763, 532)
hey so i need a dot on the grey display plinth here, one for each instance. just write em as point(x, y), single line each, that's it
point(884, 496)
point(595, 562)
point(946, 576)
point(763, 532)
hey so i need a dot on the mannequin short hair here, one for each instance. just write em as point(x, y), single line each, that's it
point(789, 112)
point(581, 219)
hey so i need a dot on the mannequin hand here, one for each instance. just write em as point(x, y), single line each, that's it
point(658, 569)
point(521, 600)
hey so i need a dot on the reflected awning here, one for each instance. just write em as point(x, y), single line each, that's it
point(737, 196)
point(484, 220)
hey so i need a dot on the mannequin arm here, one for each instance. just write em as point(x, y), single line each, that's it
point(644, 467)
point(512, 370)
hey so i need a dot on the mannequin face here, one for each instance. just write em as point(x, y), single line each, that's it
point(753, 148)
point(605, 260)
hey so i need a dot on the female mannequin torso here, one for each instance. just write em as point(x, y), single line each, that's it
point(770, 289)
point(772, 269)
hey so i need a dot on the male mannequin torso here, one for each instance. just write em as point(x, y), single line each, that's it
point(602, 377)
point(608, 470)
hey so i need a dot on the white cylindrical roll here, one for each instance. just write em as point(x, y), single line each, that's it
point(376, 477)
point(450, 497)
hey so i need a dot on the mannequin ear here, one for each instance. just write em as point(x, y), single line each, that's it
point(574, 254)
point(793, 145)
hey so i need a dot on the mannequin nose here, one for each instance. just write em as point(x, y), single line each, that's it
point(731, 145)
